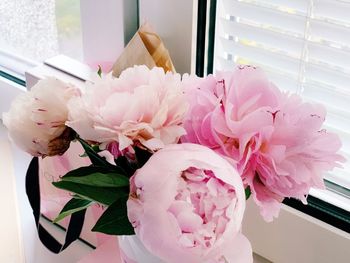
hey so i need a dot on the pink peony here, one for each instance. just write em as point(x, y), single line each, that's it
point(36, 119)
point(142, 105)
point(187, 203)
point(274, 139)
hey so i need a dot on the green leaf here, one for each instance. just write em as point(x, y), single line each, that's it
point(142, 156)
point(97, 176)
point(93, 156)
point(247, 192)
point(128, 168)
point(100, 179)
point(86, 170)
point(96, 148)
point(103, 195)
point(73, 205)
point(83, 155)
point(114, 221)
point(99, 71)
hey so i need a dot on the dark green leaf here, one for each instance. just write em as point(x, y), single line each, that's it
point(114, 221)
point(93, 156)
point(73, 205)
point(97, 176)
point(86, 170)
point(247, 192)
point(99, 72)
point(76, 196)
point(83, 155)
point(128, 168)
point(103, 195)
point(96, 148)
point(99, 179)
point(142, 156)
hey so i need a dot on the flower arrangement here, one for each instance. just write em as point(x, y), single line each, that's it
point(173, 158)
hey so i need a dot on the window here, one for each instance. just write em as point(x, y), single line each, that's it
point(307, 51)
point(304, 46)
point(33, 31)
point(40, 29)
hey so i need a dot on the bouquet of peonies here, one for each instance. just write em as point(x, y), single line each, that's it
point(173, 158)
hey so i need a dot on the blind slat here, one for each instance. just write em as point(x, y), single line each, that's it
point(291, 44)
point(287, 5)
point(262, 56)
point(335, 57)
point(324, 75)
point(266, 16)
point(337, 11)
point(322, 31)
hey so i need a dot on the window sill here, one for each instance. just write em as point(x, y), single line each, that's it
point(295, 237)
point(14, 65)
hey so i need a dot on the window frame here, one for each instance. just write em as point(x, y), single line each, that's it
point(107, 29)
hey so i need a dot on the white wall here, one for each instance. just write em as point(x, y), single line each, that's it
point(172, 20)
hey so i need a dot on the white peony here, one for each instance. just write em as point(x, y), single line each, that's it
point(36, 119)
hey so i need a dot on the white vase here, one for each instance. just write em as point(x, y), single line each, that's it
point(133, 251)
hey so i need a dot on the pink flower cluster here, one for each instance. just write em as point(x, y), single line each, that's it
point(187, 202)
point(275, 140)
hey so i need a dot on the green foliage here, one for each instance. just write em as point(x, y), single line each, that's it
point(97, 176)
point(114, 221)
point(100, 179)
point(103, 183)
point(247, 192)
point(102, 195)
point(131, 165)
point(93, 155)
point(142, 156)
point(99, 72)
point(74, 205)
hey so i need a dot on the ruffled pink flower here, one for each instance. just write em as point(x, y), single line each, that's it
point(36, 119)
point(275, 140)
point(142, 105)
point(187, 203)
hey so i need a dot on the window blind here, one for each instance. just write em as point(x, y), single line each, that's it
point(303, 45)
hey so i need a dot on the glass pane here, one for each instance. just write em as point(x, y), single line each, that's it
point(40, 29)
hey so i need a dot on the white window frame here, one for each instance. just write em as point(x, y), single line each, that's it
point(294, 236)
point(15, 66)
point(106, 27)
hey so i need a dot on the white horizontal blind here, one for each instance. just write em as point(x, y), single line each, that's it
point(303, 45)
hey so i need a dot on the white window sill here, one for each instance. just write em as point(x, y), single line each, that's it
point(295, 237)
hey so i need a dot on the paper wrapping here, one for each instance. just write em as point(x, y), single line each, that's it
point(145, 48)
